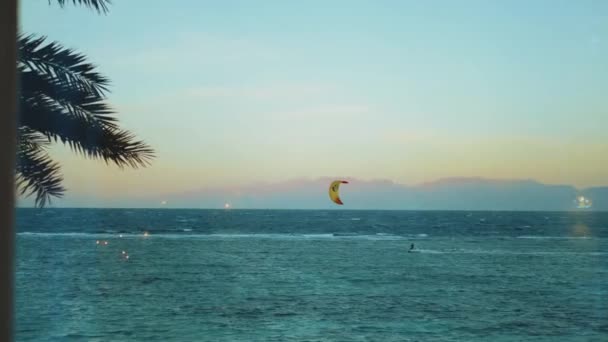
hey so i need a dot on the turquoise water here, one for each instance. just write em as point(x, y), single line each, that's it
point(203, 275)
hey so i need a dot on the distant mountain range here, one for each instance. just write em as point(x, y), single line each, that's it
point(444, 194)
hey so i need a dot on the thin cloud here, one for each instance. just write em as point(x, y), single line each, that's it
point(323, 112)
point(263, 92)
point(191, 50)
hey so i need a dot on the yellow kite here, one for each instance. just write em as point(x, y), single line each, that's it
point(334, 188)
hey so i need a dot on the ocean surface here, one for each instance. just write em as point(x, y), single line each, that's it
point(281, 275)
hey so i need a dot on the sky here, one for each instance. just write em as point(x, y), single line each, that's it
point(242, 92)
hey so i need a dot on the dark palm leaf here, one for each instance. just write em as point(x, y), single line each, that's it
point(60, 63)
point(65, 102)
point(62, 99)
point(75, 100)
point(36, 172)
point(99, 5)
point(31, 140)
point(94, 140)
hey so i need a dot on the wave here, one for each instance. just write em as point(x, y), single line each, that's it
point(332, 236)
point(503, 252)
point(41, 234)
point(188, 235)
point(185, 220)
point(426, 251)
point(538, 237)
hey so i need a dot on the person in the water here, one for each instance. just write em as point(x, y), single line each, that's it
point(411, 247)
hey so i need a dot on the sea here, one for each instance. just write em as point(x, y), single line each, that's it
point(310, 275)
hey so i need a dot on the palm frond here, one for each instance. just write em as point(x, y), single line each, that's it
point(100, 6)
point(31, 140)
point(90, 138)
point(65, 65)
point(75, 101)
point(36, 173)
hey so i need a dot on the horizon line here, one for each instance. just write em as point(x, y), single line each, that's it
point(320, 209)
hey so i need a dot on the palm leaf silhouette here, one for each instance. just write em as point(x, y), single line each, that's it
point(63, 99)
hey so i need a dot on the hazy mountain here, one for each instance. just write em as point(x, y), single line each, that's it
point(486, 194)
point(444, 194)
point(599, 196)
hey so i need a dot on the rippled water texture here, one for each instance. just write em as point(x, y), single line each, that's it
point(237, 275)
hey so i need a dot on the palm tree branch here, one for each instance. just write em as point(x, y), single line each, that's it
point(31, 140)
point(61, 63)
point(100, 6)
point(90, 138)
point(75, 100)
point(35, 171)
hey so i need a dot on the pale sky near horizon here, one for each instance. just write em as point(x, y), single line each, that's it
point(411, 91)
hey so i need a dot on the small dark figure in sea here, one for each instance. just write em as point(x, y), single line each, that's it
point(411, 247)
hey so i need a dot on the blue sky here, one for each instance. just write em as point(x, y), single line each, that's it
point(243, 92)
